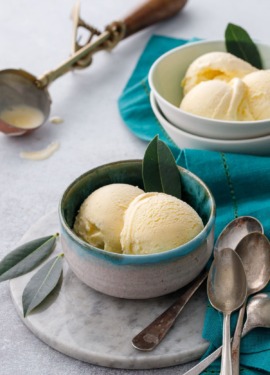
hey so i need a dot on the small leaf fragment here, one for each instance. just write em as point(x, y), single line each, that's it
point(160, 171)
point(42, 284)
point(239, 43)
point(26, 257)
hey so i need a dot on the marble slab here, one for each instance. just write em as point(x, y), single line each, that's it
point(92, 327)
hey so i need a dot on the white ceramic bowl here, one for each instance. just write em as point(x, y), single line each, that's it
point(183, 139)
point(135, 276)
point(165, 78)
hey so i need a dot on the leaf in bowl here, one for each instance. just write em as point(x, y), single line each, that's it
point(239, 43)
point(160, 171)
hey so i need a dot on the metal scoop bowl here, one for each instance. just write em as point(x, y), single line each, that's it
point(18, 89)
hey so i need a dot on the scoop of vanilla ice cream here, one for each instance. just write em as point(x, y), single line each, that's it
point(258, 88)
point(156, 222)
point(215, 65)
point(100, 218)
point(218, 100)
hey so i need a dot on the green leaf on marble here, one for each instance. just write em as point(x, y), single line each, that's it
point(239, 43)
point(26, 257)
point(160, 171)
point(42, 284)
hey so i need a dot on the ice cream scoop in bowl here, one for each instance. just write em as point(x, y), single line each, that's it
point(224, 96)
point(184, 139)
point(133, 274)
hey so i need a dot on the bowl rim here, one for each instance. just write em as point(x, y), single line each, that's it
point(178, 252)
point(211, 121)
point(215, 141)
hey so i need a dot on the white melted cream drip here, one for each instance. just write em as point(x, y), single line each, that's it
point(41, 154)
point(56, 120)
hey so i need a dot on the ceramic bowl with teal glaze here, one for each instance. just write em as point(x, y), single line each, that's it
point(135, 276)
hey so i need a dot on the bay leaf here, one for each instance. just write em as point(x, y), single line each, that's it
point(160, 171)
point(169, 172)
point(150, 169)
point(26, 257)
point(239, 43)
point(42, 284)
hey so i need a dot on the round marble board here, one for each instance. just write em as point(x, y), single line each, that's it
point(92, 327)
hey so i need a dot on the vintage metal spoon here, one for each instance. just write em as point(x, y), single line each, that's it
point(153, 334)
point(236, 230)
point(24, 99)
point(254, 251)
point(258, 315)
point(227, 290)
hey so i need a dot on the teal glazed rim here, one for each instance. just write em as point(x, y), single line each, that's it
point(131, 259)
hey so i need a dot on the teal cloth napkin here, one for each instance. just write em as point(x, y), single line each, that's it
point(239, 183)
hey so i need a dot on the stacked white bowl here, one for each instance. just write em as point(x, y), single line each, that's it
point(191, 131)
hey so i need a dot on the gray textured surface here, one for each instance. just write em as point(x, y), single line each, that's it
point(37, 36)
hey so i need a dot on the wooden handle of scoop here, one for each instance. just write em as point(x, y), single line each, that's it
point(151, 12)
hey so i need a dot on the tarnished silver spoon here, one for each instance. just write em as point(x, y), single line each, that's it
point(254, 251)
point(227, 291)
point(258, 315)
point(152, 335)
point(237, 229)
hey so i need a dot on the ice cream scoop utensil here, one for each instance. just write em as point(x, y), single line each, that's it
point(254, 251)
point(20, 89)
point(258, 315)
point(153, 334)
point(227, 290)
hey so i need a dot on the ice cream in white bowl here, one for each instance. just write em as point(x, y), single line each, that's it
point(183, 139)
point(141, 270)
point(220, 97)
